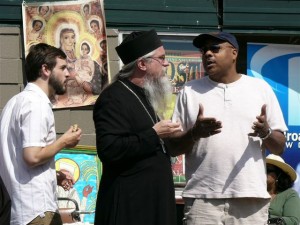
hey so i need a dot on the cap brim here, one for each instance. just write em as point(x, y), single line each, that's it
point(200, 40)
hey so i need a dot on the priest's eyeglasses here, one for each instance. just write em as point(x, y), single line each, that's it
point(161, 59)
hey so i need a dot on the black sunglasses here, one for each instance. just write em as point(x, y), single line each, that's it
point(212, 48)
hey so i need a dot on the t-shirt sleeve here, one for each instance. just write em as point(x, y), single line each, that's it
point(35, 123)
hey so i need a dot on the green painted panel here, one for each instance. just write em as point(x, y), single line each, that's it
point(189, 16)
point(164, 15)
point(165, 18)
point(262, 14)
point(165, 5)
point(10, 11)
point(167, 15)
point(262, 6)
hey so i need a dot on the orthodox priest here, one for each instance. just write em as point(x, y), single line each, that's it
point(136, 186)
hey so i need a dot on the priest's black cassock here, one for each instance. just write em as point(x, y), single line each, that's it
point(136, 186)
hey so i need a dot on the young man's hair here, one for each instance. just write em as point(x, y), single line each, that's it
point(39, 55)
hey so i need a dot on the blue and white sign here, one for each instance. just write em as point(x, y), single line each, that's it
point(279, 65)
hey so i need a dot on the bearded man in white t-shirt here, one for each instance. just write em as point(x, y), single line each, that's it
point(28, 140)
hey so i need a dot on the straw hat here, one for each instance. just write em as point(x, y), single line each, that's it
point(279, 162)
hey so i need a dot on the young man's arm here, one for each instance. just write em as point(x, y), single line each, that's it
point(35, 156)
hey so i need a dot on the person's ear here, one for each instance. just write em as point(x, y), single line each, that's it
point(45, 70)
point(141, 64)
point(235, 54)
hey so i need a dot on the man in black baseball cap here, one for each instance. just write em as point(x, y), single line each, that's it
point(228, 120)
point(200, 40)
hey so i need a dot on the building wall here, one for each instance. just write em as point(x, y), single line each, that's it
point(12, 81)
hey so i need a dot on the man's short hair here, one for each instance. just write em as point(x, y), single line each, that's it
point(39, 55)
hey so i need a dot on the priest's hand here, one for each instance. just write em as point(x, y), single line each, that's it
point(165, 128)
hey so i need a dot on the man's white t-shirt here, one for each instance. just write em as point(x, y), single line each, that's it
point(230, 164)
point(27, 120)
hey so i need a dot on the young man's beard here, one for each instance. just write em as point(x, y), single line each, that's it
point(158, 90)
point(57, 86)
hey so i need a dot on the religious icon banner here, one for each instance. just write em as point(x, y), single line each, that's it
point(77, 28)
point(85, 167)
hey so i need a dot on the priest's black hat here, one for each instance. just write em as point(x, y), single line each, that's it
point(138, 44)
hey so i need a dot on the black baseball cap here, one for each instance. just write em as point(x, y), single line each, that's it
point(200, 40)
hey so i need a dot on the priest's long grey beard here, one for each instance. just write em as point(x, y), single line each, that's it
point(158, 91)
